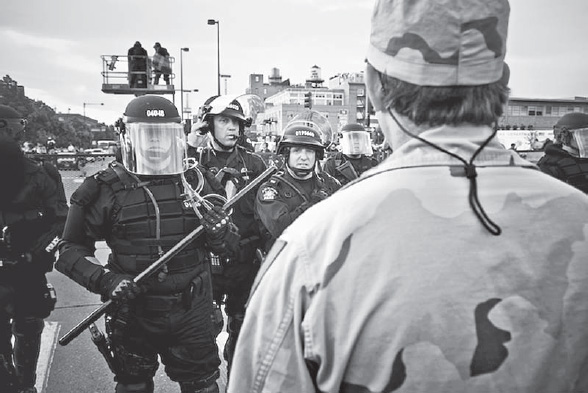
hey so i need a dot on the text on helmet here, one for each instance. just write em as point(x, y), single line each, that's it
point(155, 113)
point(304, 133)
point(233, 107)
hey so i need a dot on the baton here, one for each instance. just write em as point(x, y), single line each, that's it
point(172, 252)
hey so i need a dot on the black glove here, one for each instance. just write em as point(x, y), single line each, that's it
point(118, 286)
point(215, 222)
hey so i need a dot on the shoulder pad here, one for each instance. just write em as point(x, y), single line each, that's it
point(107, 176)
point(87, 192)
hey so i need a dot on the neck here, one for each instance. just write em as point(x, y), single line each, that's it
point(217, 145)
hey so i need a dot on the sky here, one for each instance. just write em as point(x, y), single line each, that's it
point(53, 48)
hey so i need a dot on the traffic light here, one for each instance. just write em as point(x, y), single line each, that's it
point(308, 100)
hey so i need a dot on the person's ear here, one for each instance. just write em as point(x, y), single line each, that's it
point(374, 88)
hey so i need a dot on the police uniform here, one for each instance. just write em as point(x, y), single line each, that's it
point(562, 165)
point(346, 168)
point(140, 217)
point(233, 277)
point(283, 198)
point(32, 221)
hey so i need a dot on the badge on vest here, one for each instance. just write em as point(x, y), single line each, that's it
point(268, 194)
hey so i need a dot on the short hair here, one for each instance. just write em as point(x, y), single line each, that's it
point(451, 105)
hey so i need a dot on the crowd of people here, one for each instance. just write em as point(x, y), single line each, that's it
point(449, 263)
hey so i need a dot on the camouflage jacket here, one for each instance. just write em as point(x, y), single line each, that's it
point(393, 284)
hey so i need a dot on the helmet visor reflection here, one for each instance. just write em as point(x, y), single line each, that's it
point(356, 143)
point(154, 148)
point(580, 136)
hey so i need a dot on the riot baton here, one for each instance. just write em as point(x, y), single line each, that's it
point(172, 252)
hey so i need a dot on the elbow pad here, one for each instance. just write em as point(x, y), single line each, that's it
point(86, 270)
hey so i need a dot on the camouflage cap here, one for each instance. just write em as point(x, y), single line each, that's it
point(439, 43)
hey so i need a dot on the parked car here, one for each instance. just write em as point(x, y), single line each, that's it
point(95, 152)
point(67, 161)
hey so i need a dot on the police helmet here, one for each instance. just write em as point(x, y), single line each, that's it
point(221, 105)
point(355, 140)
point(11, 122)
point(152, 137)
point(567, 123)
point(302, 135)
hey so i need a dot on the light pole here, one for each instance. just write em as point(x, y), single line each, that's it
point(182, 50)
point(225, 77)
point(90, 103)
point(217, 23)
point(187, 98)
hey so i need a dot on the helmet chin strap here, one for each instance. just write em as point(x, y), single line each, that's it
point(300, 174)
point(218, 144)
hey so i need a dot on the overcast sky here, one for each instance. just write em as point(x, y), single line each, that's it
point(53, 48)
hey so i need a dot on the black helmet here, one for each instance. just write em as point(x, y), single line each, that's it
point(11, 122)
point(151, 109)
point(355, 140)
point(572, 121)
point(302, 135)
point(153, 141)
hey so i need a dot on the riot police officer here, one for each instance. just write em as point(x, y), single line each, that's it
point(139, 209)
point(223, 119)
point(291, 191)
point(355, 157)
point(567, 158)
point(33, 208)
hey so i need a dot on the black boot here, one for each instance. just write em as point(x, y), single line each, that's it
point(26, 353)
point(8, 379)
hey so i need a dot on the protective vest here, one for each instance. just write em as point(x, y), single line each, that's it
point(137, 240)
point(346, 169)
point(560, 164)
point(575, 171)
point(244, 166)
point(29, 210)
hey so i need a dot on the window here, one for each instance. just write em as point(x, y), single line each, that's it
point(360, 92)
point(257, 78)
point(548, 110)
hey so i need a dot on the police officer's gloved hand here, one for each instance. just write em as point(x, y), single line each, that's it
point(118, 286)
point(215, 222)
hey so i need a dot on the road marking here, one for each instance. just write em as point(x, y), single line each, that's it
point(48, 344)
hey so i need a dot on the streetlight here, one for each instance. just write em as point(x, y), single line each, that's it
point(90, 103)
point(226, 77)
point(182, 50)
point(217, 23)
point(187, 102)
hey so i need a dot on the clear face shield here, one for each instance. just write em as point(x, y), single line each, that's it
point(154, 148)
point(580, 137)
point(355, 143)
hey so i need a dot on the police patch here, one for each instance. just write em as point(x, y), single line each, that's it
point(268, 194)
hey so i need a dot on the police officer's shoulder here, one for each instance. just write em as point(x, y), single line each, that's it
point(270, 190)
point(87, 192)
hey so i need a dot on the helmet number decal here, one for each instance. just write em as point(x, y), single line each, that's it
point(155, 113)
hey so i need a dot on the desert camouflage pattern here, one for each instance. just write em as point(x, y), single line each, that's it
point(439, 43)
point(393, 285)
